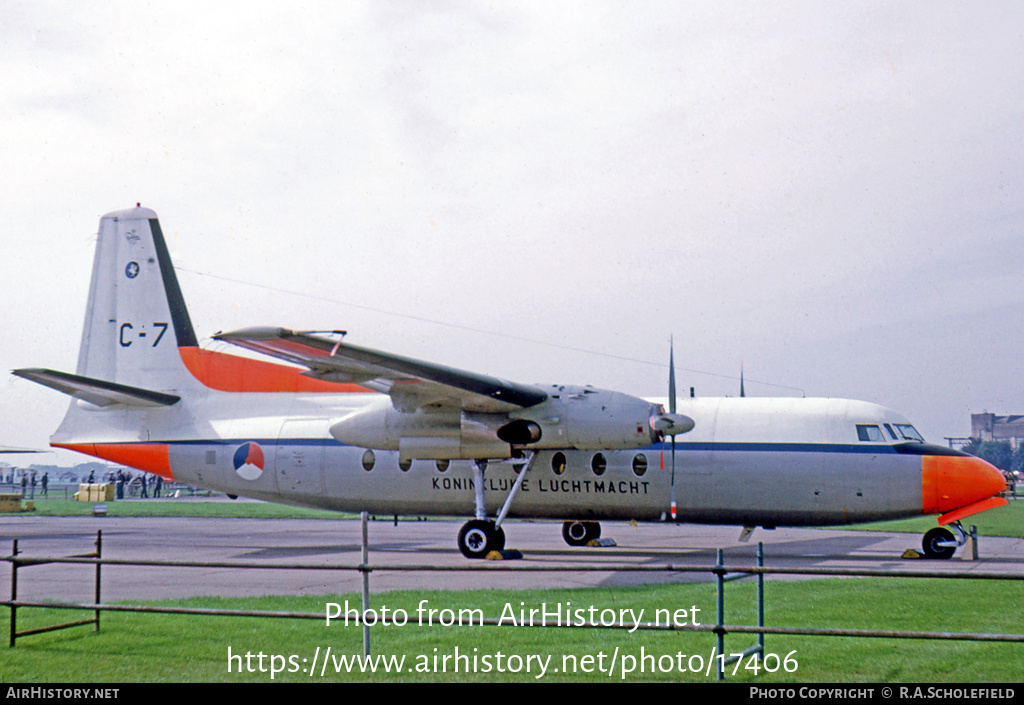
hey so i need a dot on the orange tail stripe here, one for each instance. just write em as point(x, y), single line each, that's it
point(231, 373)
point(151, 457)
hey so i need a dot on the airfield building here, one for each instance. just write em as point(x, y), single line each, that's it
point(993, 427)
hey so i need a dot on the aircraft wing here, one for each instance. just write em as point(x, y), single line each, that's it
point(412, 384)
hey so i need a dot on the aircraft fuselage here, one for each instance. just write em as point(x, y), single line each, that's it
point(749, 461)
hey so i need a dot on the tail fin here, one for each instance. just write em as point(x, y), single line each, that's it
point(136, 318)
point(140, 364)
point(138, 345)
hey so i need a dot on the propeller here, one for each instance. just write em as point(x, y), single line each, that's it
point(671, 424)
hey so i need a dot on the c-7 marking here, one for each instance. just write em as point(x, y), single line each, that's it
point(163, 329)
point(142, 334)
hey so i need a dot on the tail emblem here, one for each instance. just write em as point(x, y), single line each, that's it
point(248, 461)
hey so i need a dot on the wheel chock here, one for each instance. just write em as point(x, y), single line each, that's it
point(504, 555)
point(911, 553)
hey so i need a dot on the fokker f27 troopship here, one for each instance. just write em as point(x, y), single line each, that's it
point(332, 425)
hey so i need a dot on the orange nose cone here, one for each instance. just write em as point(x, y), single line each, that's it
point(949, 482)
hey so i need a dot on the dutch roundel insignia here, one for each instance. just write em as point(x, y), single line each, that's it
point(248, 461)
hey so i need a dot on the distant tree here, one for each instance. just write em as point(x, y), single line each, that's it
point(999, 453)
point(972, 446)
point(1017, 463)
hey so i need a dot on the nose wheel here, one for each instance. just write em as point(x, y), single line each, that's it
point(940, 542)
point(479, 537)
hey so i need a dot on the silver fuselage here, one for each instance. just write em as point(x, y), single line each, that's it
point(747, 461)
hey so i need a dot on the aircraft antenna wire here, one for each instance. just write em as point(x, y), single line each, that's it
point(483, 331)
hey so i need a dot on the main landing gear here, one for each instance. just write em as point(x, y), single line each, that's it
point(940, 542)
point(481, 535)
point(580, 533)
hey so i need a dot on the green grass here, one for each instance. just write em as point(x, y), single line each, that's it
point(176, 648)
point(169, 507)
point(147, 648)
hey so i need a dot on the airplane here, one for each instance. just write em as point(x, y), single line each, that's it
point(324, 423)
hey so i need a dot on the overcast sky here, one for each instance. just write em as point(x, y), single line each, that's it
point(826, 194)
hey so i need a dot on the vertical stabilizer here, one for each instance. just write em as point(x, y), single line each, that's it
point(136, 317)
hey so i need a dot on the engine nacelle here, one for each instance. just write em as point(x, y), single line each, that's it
point(585, 418)
point(432, 434)
point(581, 418)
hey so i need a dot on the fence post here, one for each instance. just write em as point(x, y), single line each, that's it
point(720, 617)
point(99, 565)
point(363, 516)
point(14, 592)
point(760, 601)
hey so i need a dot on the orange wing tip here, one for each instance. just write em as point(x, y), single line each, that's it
point(983, 505)
point(150, 457)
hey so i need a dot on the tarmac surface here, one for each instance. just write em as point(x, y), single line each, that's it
point(547, 562)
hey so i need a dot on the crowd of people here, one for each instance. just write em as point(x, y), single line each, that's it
point(27, 480)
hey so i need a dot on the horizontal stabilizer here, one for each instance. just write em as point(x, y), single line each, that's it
point(97, 391)
point(9, 449)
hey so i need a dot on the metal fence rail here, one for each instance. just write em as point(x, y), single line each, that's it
point(723, 574)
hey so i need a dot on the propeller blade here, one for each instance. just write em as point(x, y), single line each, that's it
point(671, 376)
point(672, 497)
point(670, 420)
point(671, 423)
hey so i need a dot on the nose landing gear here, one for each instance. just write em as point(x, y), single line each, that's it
point(940, 542)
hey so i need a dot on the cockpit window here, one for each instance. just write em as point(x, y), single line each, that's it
point(908, 432)
point(892, 434)
point(869, 432)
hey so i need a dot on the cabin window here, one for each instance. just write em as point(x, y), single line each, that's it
point(639, 464)
point(558, 463)
point(870, 433)
point(598, 464)
point(442, 465)
point(369, 459)
point(404, 464)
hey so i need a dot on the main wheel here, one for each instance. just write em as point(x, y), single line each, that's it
point(932, 541)
point(479, 537)
point(580, 533)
